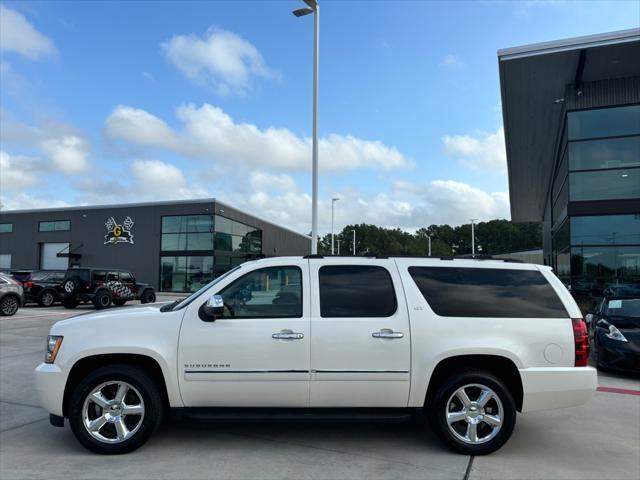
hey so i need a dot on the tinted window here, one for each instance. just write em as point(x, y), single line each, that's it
point(274, 292)
point(55, 226)
point(6, 227)
point(99, 276)
point(125, 277)
point(609, 153)
point(112, 276)
point(356, 291)
point(623, 307)
point(604, 122)
point(487, 292)
point(604, 184)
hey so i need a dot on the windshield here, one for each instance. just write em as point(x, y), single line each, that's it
point(195, 295)
point(624, 307)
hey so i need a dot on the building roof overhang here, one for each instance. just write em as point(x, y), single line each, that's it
point(533, 80)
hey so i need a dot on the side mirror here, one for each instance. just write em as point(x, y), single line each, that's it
point(214, 308)
point(588, 318)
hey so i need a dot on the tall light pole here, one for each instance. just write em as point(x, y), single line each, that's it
point(333, 202)
point(429, 237)
point(313, 7)
point(338, 246)
point(473, 238)
point(354, 241)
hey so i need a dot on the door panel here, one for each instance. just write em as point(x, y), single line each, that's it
point(359, 361)
point(236, 361)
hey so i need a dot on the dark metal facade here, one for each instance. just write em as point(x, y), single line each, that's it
point(86, 235)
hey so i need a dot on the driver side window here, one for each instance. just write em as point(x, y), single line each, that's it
point(273, 292)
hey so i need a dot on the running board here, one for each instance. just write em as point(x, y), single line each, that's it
point(389, 415)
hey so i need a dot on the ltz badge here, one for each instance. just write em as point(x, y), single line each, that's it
point(117, 233)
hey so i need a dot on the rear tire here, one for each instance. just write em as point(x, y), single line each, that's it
point(102, 300)
point(46, 298)
point(479, 424)
point(114, 431)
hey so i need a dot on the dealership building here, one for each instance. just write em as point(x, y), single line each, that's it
point(176, 246)
point(571, 111)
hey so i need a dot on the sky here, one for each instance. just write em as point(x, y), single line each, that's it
point(111, 102)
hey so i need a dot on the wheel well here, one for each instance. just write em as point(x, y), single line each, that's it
point(501, 367)
point(86, 365)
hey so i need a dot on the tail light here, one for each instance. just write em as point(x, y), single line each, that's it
point(27, 284)
point(581, 339)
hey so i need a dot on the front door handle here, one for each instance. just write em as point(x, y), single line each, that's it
point(287, 335)
point(387, 333)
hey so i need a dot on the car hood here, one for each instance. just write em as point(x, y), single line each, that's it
point(112, 318)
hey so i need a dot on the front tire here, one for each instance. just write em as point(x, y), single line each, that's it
point(9, 305)
point(148, 296)
point(115, 409)
point(473, 412)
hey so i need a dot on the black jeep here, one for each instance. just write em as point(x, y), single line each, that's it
point(103, 286)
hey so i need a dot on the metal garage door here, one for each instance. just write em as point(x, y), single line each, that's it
point(49, 259)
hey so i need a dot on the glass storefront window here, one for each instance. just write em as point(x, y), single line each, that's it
point(604, 184)
point(187, 224)
point(55, 226)
point(604, 122)
point(605, 230)
point(599, 271)
point(609, 153)
point(185, 273)
point(187, 241)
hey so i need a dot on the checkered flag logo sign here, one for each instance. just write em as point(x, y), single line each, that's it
point(118, 233)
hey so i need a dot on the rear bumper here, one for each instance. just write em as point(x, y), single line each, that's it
point(549, 388)
point(50, 383)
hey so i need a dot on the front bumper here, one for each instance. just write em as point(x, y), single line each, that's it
point(559, 387)
point(50, 382)
point(616, 355)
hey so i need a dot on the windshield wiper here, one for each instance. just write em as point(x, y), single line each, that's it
point(169, 306)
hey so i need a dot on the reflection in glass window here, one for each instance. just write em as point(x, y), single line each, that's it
point(604, 122)
point(488, 292)
point(185, 273)
point(356, 291)
point(605, 230)
point(609, 153)
point(55, 226)
point(599, 271)
point(605, 184)
point(273, 292)
point(6, 227)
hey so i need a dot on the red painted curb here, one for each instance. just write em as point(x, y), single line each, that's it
point(624, 391)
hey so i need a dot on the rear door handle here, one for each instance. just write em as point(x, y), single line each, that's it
point(287, 335)
point(387, 333)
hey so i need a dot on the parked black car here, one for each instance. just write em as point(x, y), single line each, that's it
point(103, 286)
point(43, 287)
point(614, 328)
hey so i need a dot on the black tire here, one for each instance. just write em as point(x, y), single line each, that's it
point(148, 296)
point(439, 408)
point(71, 285)
point(119, 302)
point(139, 379)
point(9, 305)
point(69, 302)
point(102, 299)
point(47, 298)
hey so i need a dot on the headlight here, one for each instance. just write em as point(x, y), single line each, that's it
point(53, 346)
point(615, 334)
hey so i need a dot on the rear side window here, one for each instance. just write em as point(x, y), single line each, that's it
point(99, 276)
point(488, 292)
point(356, 291)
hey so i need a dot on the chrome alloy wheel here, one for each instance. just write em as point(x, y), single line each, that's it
point(9, 305)
point(113, 412)
point(474, 421)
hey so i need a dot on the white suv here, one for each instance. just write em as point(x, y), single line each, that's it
point(467, 342)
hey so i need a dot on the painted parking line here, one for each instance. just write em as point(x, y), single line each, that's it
point(624, 391)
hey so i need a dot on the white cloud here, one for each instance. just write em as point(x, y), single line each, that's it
point(485, 151)
point(273, 181)
point(16, 172)
point(68, 153)
point(209, 133)
point(452, 61)
point(220, 58)
point(24, 201)
point(19, 36)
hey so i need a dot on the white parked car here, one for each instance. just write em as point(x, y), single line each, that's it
point(467, 342)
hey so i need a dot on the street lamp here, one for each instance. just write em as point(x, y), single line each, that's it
point(313, 7)
point(473, 238)
point(429, 237)
point(354, 241)
point(333, 202)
